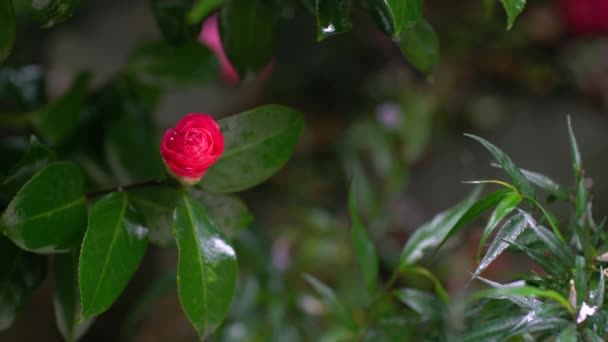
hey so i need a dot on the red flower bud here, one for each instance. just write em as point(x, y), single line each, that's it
point(585, 16)
point(192, 147)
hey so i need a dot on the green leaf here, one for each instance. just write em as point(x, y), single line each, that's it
point(342, 314)
point(159, 63)
point(443, 295)
point(596, 297)
point(393, 15)
point(207, 268)
point(547, 184)
point(513, 8)
point(112, 249)
point(580, 280)
point(202, 9)
point(257, 144)
point(248, 31)
point(432, 233)
point(51, 12)
point(228, 212)
point(518, 178)
point(364, 247)
point(509, 232)
point(476, 210)
point(545, 262)
point(8, 28)
point(425, 304)
point(48, 214)
point(66, 297)
point(420, 45)
point(554, 244)
point(527, 291)
point(568, 335)
point(22, 273)
point(156, 204)
point(171, 20)
point(577, 163)
point(504, 208)
point(58, 120)
point(333, 17)
point(36, 157)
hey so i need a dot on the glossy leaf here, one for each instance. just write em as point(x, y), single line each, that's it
point(393, 15)
point(202, 9)
point(35, 158)
point(513, 8)
point(48, 214)
point(503, 209)
point(51, 12)
point(597, 295)
point(420, 45)
point(171, 19)
point(547, 184)
point(66, 297)
point(248, 32)
point(432, 233)
point(568, 335)
point(577, 163)
point(518, 178)
point(364, 247)
point(159, 63)
point(333, 17)
point(228, 212)
point(112, 249)
point(476, 210)
point(156, 204)
point(425, 304)
point(59, 119)
point(580, 280)
point(339, 310)
point(524, 302)
point(547, 263)
point(257, 144)
point(207, 268)
point(8, 28)
point(22, 273)
point(509, 232)
point(554, 244)
point(527, 291)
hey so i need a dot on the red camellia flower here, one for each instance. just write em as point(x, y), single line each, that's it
point(585, 16)
point(192, 147)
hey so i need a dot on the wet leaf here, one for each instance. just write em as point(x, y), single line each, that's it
point(333, 17)
point(48, 214)
point(248, 32)
point(257, 144)
point(509, 232)
point(112, 249)
point(513, 8)
point(207, 267)
point(420, 45)
point(519, 180)
point(432, 233)
point(503, 209)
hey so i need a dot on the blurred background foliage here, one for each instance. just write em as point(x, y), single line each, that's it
point(369, 114)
